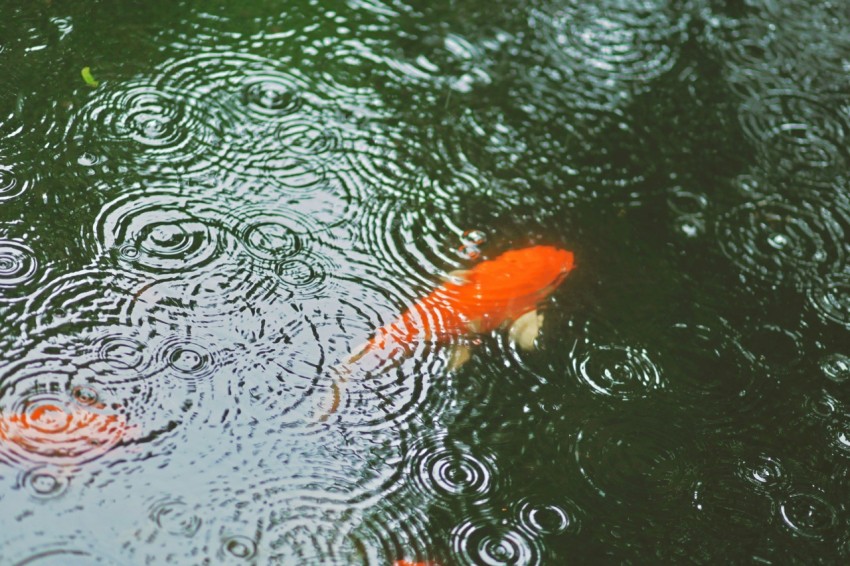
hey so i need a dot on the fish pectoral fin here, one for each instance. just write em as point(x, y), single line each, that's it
point(525, 329)
point(457, 276)
point(459, 354)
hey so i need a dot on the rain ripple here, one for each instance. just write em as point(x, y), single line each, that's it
point(286, 120)
point(449, 472)
point(46, 419)
point(539, 517)
point(617, 42)
point(160, 233)
point(481, 542)
point(302, 533)
point(278, 373)
point(777, 241)
point(707, 364)
point(808, 514)
point(159, 128)
point(830, 299)
point(797, 136)
point(420, 243)
point(288, 243)
point(835, 367)
point(628, 459)
point(234, 296)
point(11, 184)
point(45, 481)
point(621, 371)
point(147, 384)
point(763, 472)
point(174, 517)
point(380, 392)
point(18, 269)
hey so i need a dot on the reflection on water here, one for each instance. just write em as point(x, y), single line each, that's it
point(190, 248)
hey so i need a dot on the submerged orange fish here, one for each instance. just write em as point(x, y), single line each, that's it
point(61, 434)
point(496, 292)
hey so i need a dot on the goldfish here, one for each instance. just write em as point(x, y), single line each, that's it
point(61, 434)
point(502, 291)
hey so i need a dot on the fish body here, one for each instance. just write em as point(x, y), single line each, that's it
point(477, 301)
point(492, 294)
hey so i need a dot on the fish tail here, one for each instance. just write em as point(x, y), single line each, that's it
point(340, 377)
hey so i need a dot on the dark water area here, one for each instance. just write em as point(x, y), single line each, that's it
point(200, 227)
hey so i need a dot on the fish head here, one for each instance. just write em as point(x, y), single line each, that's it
point(511, 284)
point(527, 272)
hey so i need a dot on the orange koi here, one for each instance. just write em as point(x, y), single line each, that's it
point(494, 293)
point(60, 434)
point(409, 563)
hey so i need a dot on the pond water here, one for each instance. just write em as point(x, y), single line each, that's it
point(206, 206)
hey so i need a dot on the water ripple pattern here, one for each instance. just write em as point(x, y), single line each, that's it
point(621, 460)
point(450, 472)
point(777, 241)
point(12, 184)
point(615, 370)
point(763, 472)
point(808, 514)
point(174, 517)
point(83, 299)
point(797, 136)
point(482, 542)
point(18, 269)
point(288, 121)
point(278, 374)
point(541, 518)
point(157, 128)
point(377, 395)
point(394, 534)
point(160, 233)
point(289, 243)
point(52, 416)
point(206, 208)
point(830, 299)
point(233, 294)
point(707, 363)
point(835, 367)
point(117, 380)
point(616, 42)
point(415, 246)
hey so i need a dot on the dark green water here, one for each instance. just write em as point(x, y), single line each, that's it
point(254, 187)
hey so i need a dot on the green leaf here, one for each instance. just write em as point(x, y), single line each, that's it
point(87, 76)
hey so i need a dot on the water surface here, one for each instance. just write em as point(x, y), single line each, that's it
point(252, 188)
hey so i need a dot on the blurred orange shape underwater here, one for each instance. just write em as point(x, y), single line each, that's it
point(53, 432)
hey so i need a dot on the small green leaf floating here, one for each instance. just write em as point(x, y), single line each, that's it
point(87, 76)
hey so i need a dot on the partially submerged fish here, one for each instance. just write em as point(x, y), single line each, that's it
point(61, 434)
point(494, 293)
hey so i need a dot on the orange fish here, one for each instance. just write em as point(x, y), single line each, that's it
point(61, 434)
point(408, 563)
point(494, 293)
